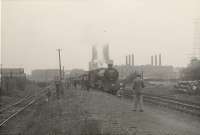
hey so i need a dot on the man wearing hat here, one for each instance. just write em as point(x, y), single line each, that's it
point(138, 85)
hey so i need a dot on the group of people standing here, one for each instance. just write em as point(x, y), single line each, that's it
point(82, 83)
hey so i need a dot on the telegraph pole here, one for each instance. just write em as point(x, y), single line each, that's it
point(59, 88)
point(60, 70)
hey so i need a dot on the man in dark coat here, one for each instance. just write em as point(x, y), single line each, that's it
point(138, 85)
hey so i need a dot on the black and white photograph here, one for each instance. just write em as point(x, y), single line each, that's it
point(100, 67)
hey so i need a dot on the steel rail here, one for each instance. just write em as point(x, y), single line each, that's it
point(18, 111)
point(16, 103)
point(176, 104)
point(166, 100)
point(174, 99)
point(20, 108)
point(187, 108)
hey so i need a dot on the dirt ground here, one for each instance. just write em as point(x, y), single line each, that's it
point(66, 116)
point(94, 113)
point(154, 120)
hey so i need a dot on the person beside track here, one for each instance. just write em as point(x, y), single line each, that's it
point(138, 85)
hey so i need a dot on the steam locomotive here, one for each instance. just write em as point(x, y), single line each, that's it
point(105, 79)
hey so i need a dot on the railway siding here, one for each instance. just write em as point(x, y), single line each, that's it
point(169, 102)
point(12, 110)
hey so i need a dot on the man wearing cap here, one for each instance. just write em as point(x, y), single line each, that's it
point(138, 85)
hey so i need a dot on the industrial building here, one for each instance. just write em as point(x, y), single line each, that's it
point(44, 75)
point(149, 71)
point(13, 78)
point(155, 70)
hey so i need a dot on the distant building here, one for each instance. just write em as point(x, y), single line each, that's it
point(13, 78)
point(44, 75)
point(149, 71)
point(12, 72)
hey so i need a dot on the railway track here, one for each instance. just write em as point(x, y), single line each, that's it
point(172, 103)
point(10, 111)
point(9, 106)
point(190, 108)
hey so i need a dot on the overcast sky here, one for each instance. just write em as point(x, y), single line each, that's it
point(32, 30)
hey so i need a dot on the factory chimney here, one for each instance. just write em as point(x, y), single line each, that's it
point(155, 60)
point(94, 53)
point(152, 60)
point(126, 60)
point(133, 60)
point(129, 60)
point(160, 60)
